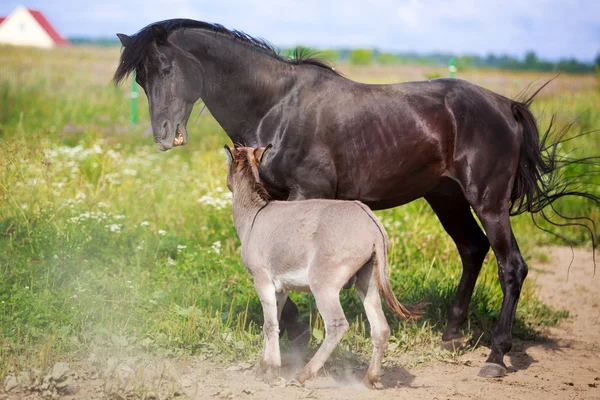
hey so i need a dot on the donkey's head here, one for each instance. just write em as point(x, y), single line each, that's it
point(170, 78)
point(244, 163)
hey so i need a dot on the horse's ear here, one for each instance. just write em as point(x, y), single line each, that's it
point(228, 154)
point(160, 34)
point(259, 154)
point(125, 40)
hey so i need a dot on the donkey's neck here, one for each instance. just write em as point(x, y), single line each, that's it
point(246, 203)
point(240, 83)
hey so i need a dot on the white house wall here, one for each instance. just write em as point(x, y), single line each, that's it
point(21, 29)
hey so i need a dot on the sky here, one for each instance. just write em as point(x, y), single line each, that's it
point(554, 29)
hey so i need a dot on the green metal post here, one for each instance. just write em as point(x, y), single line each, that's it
point(134, 96)
point(452, 68)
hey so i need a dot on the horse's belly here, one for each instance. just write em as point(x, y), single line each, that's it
point(390, 190)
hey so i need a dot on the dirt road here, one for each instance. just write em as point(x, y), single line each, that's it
point(563, 365)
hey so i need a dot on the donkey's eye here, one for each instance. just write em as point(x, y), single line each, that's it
point(167, 71)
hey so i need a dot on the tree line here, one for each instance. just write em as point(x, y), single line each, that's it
point(530, 61)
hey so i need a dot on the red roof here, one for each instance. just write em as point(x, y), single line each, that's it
point(41, 19)
point(2, 19)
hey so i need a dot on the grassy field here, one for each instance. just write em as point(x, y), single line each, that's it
point(105, 243)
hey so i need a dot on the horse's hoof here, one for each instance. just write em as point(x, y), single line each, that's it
point(453, 344)
point(491, 370)
point(300, 337)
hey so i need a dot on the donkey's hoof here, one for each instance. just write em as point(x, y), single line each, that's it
point(453, 344)
point(266, 374)
point(302, 377)
point(294, 383)
point(491, 370)
point(372, 384)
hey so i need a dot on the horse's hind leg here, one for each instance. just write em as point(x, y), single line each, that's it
point(336, 325)
point(454, 212)
point(380, 330)
point(512, 271)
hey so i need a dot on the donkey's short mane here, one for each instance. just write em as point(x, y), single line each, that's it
point(135, 52)
point(243, 164)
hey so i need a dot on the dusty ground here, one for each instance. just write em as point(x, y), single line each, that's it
point(564, 365)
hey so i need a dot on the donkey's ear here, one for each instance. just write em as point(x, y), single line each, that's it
point(259, 154)
point(125, 40)
point(228, 154)
point(160, 34)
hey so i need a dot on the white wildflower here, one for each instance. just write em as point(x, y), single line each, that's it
point(216, 247)
point(181, 247)
point(114, 227)
point(102, 205)
point(170, 261)
point(145, 223)
point(129, 172)
point(161, 232)
point(24, 206)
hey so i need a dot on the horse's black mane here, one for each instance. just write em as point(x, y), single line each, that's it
point(135, 53)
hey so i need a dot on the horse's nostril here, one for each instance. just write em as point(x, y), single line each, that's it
point(165, 132)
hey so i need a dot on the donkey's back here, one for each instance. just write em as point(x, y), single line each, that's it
point(300, 242)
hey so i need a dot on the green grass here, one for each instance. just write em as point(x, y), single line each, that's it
point(107, 243)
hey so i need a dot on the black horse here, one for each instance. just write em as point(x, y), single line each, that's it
point(459, 146)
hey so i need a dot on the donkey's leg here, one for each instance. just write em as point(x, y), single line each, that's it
point(454, 213)
point(271, 359)
point(336, 325)
point(380, 330)
point(281, 301)
point(309, 186)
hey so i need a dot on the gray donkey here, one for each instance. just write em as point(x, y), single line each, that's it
point(310, 245)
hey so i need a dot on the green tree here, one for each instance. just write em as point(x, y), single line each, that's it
point(387, 58)
point(361, 56)
point(531, 60)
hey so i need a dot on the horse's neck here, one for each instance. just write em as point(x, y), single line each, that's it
point(240, 83)
point(246, 203)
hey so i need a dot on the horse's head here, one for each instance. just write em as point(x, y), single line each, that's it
point(170, 78)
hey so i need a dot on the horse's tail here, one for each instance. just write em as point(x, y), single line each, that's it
point(382, 273)
point(541, 178)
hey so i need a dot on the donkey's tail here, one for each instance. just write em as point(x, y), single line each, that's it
point(542, 177)
point(382, 274)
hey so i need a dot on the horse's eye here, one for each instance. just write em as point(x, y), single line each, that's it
point(167, 70)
